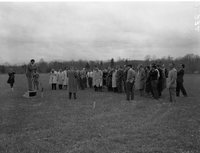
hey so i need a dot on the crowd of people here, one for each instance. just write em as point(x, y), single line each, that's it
point(150, 80)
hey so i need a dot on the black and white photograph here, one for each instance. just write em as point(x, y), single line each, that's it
point(100, 76)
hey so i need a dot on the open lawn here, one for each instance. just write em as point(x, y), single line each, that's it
point(54, 124)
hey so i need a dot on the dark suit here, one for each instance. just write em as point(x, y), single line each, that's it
point(180, 81)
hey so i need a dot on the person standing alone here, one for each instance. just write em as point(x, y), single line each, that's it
point(11, 79)
point(180, 81)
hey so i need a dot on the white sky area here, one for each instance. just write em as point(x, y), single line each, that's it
point(96, 30)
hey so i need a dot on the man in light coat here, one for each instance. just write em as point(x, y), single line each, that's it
point(172, 76)
point(65, 78)
point(97, 79)
point(131, 74)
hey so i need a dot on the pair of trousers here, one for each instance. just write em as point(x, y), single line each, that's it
point(60, 86)
point(129, 90)
point(181, 88)
point(53, 86)
point(70, 95)
point(172, 94)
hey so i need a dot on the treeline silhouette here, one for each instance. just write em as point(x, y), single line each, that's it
point(191, 61)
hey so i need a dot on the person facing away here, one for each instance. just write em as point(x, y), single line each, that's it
point(153, 74)
point(73, 85)
point(131, 74)
point(180, 81)
point(29, 73)
point(119, 79)
point(147, 80)
point(11, 79)
point(171, 83)
point(160, 80)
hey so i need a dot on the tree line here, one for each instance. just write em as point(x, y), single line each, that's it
point(191, 61)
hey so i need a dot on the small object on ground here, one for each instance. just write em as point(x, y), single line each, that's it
point(30, 94)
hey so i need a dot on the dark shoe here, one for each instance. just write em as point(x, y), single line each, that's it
point(70, 95)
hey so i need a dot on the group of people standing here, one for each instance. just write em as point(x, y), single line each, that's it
point(149, 80)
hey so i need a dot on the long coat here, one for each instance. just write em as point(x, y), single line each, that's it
point(65, 78)
point(72, 77)
point(60, 78)
point(114, 79)
point(140, 79)
point(53, 78)
point(97, 78)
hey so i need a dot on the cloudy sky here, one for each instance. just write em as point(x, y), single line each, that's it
point(96, 30)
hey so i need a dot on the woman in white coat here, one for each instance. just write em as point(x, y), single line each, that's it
point(60, 79)
point(65, 79)
point(97, 79)
point(114, 80)
point(53, 79)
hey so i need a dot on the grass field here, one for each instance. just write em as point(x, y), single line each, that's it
point(54, 124)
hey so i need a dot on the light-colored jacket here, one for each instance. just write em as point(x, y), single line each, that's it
point(140, 79)
point(131, 75)
point(53, 78)
point(60, 77)
point(114, 79)
point(97, 78)
point(65, 78)
point(172, 76)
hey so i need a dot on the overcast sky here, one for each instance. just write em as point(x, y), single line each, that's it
point(96, 30)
